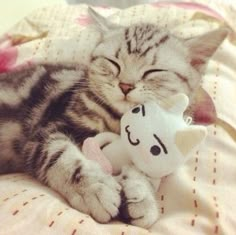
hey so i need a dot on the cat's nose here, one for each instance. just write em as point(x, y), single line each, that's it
point(126, 88)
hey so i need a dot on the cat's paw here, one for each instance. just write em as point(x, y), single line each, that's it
point(95, 193)
point(138, 206)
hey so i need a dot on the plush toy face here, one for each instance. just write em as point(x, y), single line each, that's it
point(159, 140)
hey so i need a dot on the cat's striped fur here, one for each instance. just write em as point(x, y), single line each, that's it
point(47, 111)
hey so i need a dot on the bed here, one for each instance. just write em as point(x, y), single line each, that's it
point(199, 198)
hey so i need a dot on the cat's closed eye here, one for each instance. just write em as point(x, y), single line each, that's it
point(106, 66)
point(148, 72)
point(115, 64)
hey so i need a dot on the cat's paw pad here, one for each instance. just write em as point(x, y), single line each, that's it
point(96, 193)
point(138, 206)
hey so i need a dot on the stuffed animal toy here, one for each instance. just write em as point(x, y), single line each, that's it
point(156, 139)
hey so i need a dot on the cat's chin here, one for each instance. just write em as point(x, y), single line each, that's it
point(124, 106)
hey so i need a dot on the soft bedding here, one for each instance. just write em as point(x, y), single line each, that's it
point(199, 198)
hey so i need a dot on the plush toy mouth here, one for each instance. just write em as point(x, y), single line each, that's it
point(136, 142)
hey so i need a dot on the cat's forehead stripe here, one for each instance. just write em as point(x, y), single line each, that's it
point(140, 39)
point(117, 53)
point(157, 44)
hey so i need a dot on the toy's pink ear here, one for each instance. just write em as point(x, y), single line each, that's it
point(202, 109)
point(92, 151)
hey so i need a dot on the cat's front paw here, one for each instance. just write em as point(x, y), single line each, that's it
point(138, 206)
point(95, 193)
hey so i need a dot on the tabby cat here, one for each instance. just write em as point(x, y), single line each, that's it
point(47, 111)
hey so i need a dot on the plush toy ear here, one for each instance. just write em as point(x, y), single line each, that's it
point(103, 24)
point(202, 109)
point(177, 103)
point(189, 138)
point(201, 48)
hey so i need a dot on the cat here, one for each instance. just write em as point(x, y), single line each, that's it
point(47, 111)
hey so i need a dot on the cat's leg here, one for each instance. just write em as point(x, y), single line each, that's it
point(56, 161)
point(139, 205)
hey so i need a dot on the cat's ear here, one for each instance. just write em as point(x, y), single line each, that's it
point(202, 109)
point(189, 138)
point(103, 23)
point(201, 48)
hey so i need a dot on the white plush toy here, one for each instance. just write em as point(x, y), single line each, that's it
point(156, 140)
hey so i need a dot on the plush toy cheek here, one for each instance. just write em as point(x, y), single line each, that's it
point(92, 151)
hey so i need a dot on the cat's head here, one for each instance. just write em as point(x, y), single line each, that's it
point(139, 63)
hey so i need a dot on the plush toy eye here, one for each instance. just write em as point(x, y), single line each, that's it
point(136, 110)
point(155, 150)
point(161, 144)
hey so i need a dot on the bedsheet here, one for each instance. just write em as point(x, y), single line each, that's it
point(199, 198)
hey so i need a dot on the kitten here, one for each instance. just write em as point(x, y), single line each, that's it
point(47, 111)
